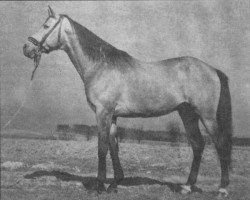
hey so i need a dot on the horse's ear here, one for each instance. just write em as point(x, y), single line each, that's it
point(51, 12)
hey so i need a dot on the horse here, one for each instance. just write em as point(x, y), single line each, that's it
point(119, 85)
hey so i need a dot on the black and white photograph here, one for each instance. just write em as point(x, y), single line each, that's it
point(126, 100)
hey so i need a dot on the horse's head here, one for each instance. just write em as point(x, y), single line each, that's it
point(46, 39)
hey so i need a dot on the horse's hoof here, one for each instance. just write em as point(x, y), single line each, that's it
point(100, 188)
point(196, 189)
point(186, 189)
point(223, 193)
point(112, 188)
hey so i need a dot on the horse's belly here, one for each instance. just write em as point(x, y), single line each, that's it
point(145, 107)
point(124, 112)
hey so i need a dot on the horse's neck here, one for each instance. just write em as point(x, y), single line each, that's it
point(81, 61)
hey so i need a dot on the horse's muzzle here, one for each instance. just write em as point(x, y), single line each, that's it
point(30, 50)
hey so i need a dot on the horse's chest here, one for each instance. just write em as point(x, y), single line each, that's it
point(103, 93)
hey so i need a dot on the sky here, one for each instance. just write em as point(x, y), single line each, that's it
point(217, 32)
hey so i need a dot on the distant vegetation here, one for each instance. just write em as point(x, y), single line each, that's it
point(172, 134)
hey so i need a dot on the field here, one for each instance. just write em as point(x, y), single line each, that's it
point(56, 169)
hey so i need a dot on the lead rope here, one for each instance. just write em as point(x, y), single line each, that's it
point(18, 110)
point(36, 61)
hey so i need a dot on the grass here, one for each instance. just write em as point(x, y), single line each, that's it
point(56, 169)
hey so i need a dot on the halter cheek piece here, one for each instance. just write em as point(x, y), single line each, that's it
point(40, 44)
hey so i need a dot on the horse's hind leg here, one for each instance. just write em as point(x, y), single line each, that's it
point(222, 145)
point(113, 148)
point(190, 120)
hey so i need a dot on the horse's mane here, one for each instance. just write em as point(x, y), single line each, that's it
point(96, 48)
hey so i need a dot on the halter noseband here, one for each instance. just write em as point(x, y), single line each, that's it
point(40, 44)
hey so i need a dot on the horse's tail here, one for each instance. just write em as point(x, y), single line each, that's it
point(224, 118)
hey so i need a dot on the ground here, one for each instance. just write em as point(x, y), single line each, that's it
point(55, 169)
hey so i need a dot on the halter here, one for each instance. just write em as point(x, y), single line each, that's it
point(40, 44)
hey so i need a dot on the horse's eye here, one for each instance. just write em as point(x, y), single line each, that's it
point(45, 26)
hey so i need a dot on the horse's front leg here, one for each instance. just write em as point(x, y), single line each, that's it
point(103, 121)
point(113, 148)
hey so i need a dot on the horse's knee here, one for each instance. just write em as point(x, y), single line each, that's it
point(113, 136)
point(113, 130)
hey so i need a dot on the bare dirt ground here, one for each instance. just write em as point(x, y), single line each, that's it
point(54, 169)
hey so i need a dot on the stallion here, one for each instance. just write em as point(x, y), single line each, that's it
point(118, 85)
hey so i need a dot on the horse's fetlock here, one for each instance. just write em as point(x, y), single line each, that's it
point(222, 193)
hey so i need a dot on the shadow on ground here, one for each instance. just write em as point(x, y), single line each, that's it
point(90, 182)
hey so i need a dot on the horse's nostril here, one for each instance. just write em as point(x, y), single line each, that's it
point(24, 46)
